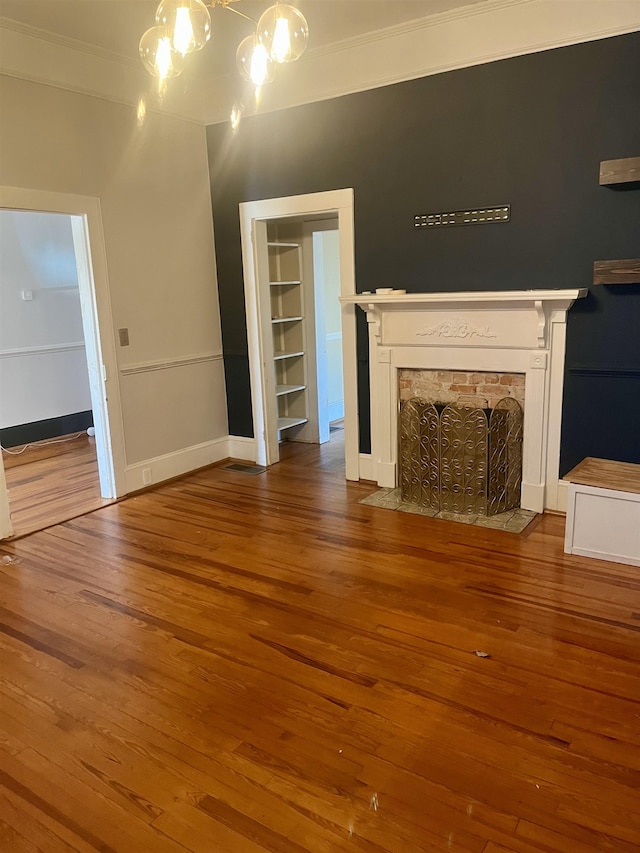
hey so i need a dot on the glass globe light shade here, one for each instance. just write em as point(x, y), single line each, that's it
point(158, 55)
point(188, 23)
point(254, 62)
point(284, 31)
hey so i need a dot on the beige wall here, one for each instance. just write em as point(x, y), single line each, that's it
point(152, 182)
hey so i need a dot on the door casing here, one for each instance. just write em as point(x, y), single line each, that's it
point(339, 203)
point(97, 321)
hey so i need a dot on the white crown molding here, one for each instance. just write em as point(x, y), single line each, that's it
point(467, 36)
point(415, 25)
point(472, 35)
point(64, 41)
point(31, 54)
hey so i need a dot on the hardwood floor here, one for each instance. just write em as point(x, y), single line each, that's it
point(260, 663)
point(49, 483)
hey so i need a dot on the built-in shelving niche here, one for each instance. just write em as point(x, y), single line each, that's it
point(287, 328)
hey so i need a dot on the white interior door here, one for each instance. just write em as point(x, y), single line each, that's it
point(97, 377)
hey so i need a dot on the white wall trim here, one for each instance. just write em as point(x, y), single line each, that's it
point(42, 350)
point(169, 363)
point(471, 35)
point(366, 466)
point(6, 528)
point(339, 201)
point(64, 41)
point(242, 448)
point(488, 7)
point(187, 460)
point(37, 56)
point(175, 464)
point(109, 429)
point(562, 496)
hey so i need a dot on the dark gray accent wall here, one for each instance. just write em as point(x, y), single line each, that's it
point(530, 132)
point(15, 436)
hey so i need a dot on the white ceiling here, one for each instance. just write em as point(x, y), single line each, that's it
point(116, 25)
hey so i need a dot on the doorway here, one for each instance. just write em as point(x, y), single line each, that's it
point(84, 221)
point(282, 329)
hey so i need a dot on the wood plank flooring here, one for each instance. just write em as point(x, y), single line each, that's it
point(49, 483)
point(260, 663)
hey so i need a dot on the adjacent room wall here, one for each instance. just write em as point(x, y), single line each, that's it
point(149, 173)
point(332, 325)
point(529, 132)
point(43, 366)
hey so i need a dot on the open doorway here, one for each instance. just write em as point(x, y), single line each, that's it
point(53, 368)
point(46, 418)
point(287, 319)
point(298, 267)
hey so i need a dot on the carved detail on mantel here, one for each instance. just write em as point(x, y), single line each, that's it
point(374, 319)
point(542, 323)
point(456, 328)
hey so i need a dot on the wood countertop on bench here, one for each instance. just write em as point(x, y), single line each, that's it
point(606, 474)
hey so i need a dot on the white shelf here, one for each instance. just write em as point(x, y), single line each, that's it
point(281, 390)
point(279, 355)
point(285, 298)
point(287, 423)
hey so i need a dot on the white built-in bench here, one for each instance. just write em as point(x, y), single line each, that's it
point(603, 511)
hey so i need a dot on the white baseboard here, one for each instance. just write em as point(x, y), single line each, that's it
point(532, 497)
point(366, 467)
point(188, 459)
point(562, 498)
point(242, 448)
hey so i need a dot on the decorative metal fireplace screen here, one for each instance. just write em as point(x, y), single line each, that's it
point(461, 458)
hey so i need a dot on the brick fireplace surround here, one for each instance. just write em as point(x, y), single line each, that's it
point(515, 332)
point(470, 388)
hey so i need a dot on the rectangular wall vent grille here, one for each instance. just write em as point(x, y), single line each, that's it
point(241, 468)
point(479, 216)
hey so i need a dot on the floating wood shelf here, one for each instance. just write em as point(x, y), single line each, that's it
point(616, 272)
point(616, 172)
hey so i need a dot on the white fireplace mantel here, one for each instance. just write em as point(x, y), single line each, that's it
point(517, 331)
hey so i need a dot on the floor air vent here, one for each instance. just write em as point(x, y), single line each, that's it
point(241, 468)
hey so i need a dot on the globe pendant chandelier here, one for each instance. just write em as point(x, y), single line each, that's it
point(184, 26)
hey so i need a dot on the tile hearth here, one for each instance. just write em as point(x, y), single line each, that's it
point(512, 521)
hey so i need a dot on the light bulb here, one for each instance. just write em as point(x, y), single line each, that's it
point(281, 47)
point(183, 33)
point(253, 61)
point(163, 58)
point(188, 23)
point(157, 54)
point(258, 70)
point(284, 31)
